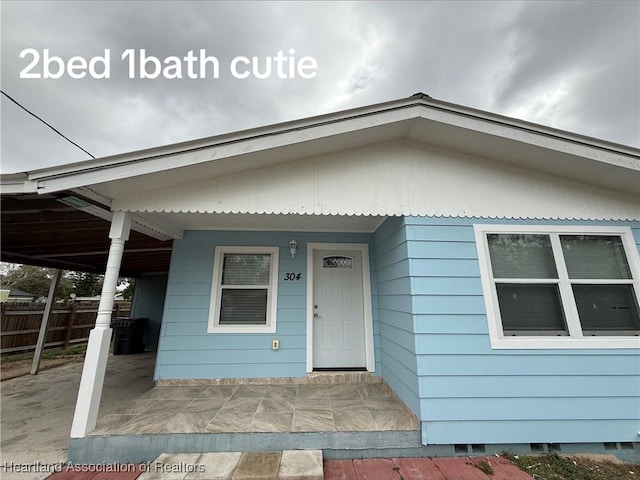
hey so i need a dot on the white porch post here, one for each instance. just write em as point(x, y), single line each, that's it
point(95, 361)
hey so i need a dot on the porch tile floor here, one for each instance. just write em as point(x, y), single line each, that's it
point(259, 408)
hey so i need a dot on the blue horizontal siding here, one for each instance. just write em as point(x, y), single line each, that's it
point(186, 327)
point(179, 315)
point(436, 304)
point(398, 334)
point(396, 319)
point(440, 250)
point(527, 431)
point(394, 311)
point(401, 379)
point(236, 356)
point(464, 344)
point(447, 286)
point(186, 350)
point(188, 301)
point(396, 303)
point(396, 286)
point(391, 233)
point(392, 254)
point(435, 232)
point(298, 288)
point(470, 393)
point(229, 370)
point(230, 342)
point(431, 339)
point(179, 276)
point(536, 386)
point(195, 263)
point(291, 302)
point(512, 363)
point(452, 324)
point(386, 272)
point(538, 408)
point(189, 288)
point(451, 267)
point(189, 328)
point(399, 352)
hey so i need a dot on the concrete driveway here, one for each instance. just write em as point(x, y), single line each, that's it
point(36, 410)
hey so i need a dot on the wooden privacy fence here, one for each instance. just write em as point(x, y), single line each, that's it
point(70, 324)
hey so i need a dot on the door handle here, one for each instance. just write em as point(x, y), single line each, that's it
point(316, 315)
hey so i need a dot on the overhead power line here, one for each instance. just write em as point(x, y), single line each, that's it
point(48, 125)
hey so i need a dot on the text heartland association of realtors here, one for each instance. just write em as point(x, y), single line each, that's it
point(139, 65)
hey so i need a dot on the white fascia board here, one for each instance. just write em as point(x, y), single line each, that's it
point(535, 128)
point(16, 183)
point(295, 132)
point(166, 231)
point(212, 152)
point(612, 154)
point(218, 140)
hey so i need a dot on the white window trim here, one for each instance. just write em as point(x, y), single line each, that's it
point(575, 339)
point(272, 293)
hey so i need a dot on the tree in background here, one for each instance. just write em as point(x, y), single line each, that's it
point(36, 280)
point(85, 284)
point(126, 287)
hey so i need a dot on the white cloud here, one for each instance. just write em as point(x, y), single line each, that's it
point(543, 104)
point(571, 65)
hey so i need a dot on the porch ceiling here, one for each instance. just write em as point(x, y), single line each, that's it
point(44, 231)
point(41, 230)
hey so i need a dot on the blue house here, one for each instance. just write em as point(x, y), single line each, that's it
point(485, 268)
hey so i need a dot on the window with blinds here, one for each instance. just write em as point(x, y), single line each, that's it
point(556, 282)
point(527, 284)
point(243, 295)
point(602, 285)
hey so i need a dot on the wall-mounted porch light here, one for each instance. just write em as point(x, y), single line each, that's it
point(293, 247)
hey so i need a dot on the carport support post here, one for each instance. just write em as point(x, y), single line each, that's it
point(46, 317)
point(95, 360)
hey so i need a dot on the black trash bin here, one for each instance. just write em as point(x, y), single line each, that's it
point(128, 335)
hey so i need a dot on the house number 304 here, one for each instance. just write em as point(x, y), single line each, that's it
point(292, 277)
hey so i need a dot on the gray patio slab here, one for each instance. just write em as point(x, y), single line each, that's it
point(37, 410)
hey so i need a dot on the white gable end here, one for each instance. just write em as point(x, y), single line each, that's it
point(394, 178)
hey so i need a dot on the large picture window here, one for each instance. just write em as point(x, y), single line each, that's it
point(244, 290)
point(559, 286)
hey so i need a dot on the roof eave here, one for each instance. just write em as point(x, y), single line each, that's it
point(13, 183)
point(217, 140)
point(185, 154)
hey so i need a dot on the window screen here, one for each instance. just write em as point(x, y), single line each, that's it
point(521, 256)
point(243, 307)
point(531, 309)
point(596, 257)
point(533, 298)
point(244, 290)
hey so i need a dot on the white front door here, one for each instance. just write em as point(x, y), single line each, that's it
point(338, 310)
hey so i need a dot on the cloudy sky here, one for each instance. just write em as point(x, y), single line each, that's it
point(570, 65)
